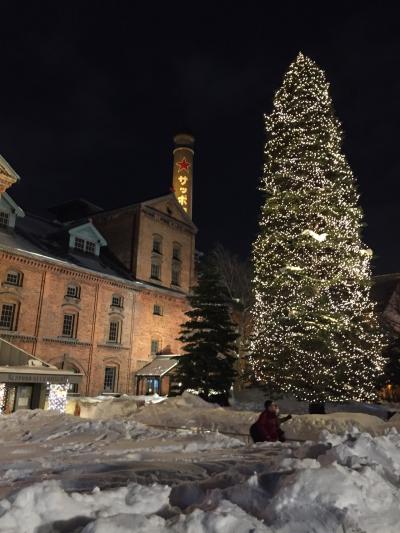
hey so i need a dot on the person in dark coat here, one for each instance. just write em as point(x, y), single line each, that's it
point(267, 427)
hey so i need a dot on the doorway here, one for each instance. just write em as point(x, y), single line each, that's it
point(23, 397)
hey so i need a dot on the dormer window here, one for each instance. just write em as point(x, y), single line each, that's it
point(85, 246)
point(4, 219)
point(86, 238)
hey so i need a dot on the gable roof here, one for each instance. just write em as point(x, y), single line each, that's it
point(171, 198)
point(88, 226)
point(158, 367)
point(7, 198)
point(7, 168)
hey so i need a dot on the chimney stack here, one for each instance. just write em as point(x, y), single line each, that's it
point(182, 176)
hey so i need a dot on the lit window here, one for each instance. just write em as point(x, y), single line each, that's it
point(113, 334)
point(155, 270)
point(68, 325)
point(116, 301)
point(155, 346)
point(73, 291)
point(110, 373)
point(7, 316)
point(14, 278)
point(176, 275)
point(176, 252)
point(157, 240)
point(4, 219)
point(157, 310)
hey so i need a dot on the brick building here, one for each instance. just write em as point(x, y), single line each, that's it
point(99, 292)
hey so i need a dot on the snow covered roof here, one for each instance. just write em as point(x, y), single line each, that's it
point(158, 367)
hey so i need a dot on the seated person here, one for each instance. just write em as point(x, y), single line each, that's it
point(267, 427)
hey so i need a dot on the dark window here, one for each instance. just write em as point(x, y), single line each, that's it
point(176, 276)
point(7, 316)
point(79, 244)
point(116, 301)
point(157, 310)
point(90, 247)
point(155, 270)
point(113, 334)
point(109, 378)
point(14, 278)
point(4, 219)
point(155, 346)
point(157, 244)
point(73, 291)
point(176, 252)
point(68, 325)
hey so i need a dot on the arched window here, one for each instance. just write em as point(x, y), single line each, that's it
point(157, 244)
point(115, 331)
point(73, 291)
point(14, 277)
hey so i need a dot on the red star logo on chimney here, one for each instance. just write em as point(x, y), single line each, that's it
point(183, 165)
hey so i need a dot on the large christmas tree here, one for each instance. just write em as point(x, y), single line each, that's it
point(315, 332)
point(209, 338)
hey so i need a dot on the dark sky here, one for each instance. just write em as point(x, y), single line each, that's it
point(93, 92)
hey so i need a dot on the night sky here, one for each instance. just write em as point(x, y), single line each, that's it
point(92, 94)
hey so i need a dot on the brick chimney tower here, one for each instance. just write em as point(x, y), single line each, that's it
point(182, 176)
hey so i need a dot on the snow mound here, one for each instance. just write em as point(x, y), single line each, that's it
point(309, 427)
point(188, 400)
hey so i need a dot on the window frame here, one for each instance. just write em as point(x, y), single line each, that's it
point(160, 308)
point(77, 291)
point(157, 244)
point(157, 341)
point(114, 378)
point(120, 299)
point(12, 322)
point(5, 219)
point(19, 276)
point(155, 264)
point(118, 331)
point(74, 325)
point(176, 271)
point(176, 247)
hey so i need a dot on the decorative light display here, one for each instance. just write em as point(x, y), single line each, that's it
point(315, 330)
point(3, 397)
point(58, 396)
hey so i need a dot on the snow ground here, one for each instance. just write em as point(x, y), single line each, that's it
point(66, 474)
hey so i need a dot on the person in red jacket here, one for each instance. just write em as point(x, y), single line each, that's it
point(267, 427)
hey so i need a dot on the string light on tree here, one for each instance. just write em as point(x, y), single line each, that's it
point(315, 330)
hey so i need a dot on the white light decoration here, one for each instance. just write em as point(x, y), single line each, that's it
point(316, 335)
point(57, 400)
point(3, 396)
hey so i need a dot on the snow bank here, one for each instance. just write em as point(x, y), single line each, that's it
point(348, 482)
point(111, 407)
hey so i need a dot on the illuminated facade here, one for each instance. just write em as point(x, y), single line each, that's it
point(97, 292)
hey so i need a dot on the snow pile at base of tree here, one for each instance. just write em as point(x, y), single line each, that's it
point(343, 483)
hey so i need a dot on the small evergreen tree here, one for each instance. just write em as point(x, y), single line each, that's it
point(209, 338)
point(315, 331)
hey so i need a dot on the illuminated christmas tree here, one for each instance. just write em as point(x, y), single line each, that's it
point(315, 331)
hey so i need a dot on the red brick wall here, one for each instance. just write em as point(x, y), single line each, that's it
point(42, 304)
